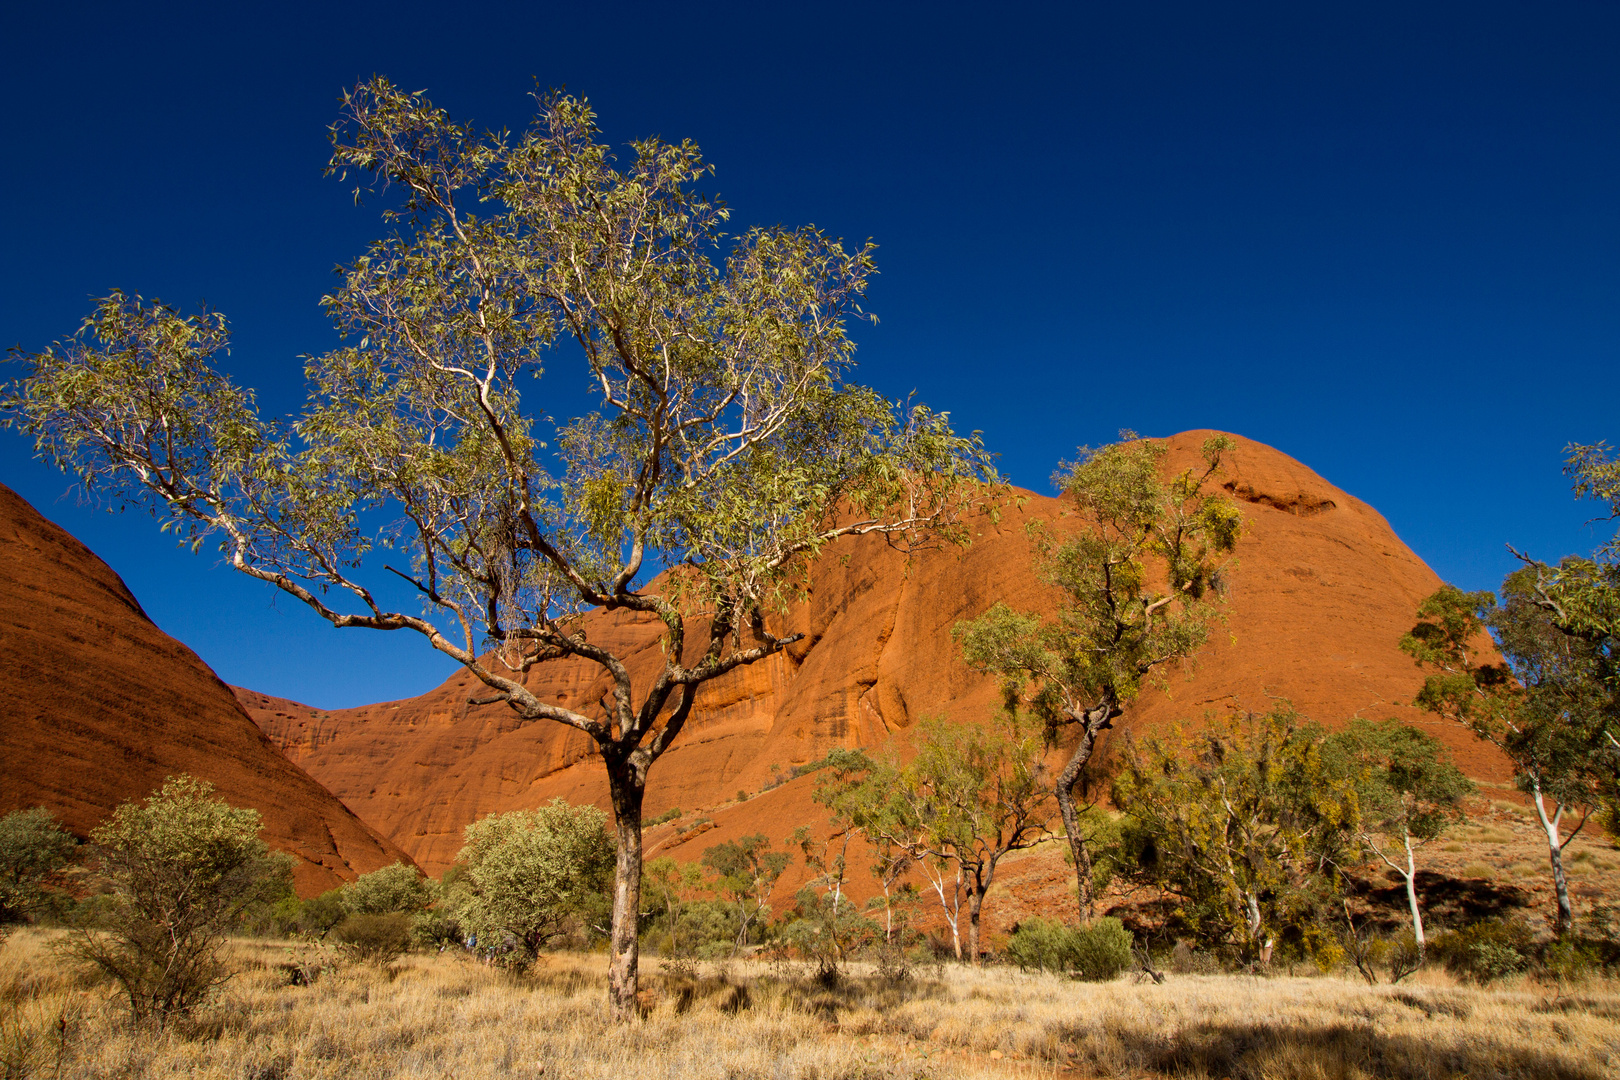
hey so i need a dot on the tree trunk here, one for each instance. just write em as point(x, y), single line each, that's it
point(1262, 948)
point(1555, 854)
point(624, 948)
point(1077, 842)
point(975, 902)
point(1566, 911)
point(1411, 897)
point(1092, 722)
point(952, 918)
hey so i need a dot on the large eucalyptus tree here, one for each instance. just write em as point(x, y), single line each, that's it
point(724, 449)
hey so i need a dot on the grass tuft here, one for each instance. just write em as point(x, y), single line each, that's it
point(442, 1015)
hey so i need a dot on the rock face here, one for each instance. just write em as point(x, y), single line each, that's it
point(98, 706)
point(1322, 591)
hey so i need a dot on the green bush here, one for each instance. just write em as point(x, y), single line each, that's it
point(393, 888)
point(436, 928)
point(1570, 960)
point(1096, 953)
point(533, 877)
point(319, 914)
point(33, 851)
point(707, 929)
point(825, 936)
point(1486, 951)
point(377, 939)
point(178, 871)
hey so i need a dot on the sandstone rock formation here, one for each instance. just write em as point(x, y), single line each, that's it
point(98, 706)
point(1322, 591)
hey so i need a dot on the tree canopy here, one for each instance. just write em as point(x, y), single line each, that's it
point(725, 447)
point(1136, 588)
point(1543, 703)
point(1242, 824)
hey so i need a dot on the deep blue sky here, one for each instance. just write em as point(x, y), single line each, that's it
point(1382, 238)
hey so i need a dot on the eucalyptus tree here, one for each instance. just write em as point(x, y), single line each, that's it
point(1543, 703)
point(726, 445)
point(1136, 589)
point(1241, 824)
point(871, 796)
point(746, 871)
point(1582, 598)
point(1410, 792)
point(972, 794)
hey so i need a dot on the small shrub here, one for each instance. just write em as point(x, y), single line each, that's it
point(179, 870)
point(33, 851)
point(376, 939)
point(705, 929)
point(668, 815)
point(393, 888)
point(1570, 960)
point(1186, 960)
point(1096, 953)
point(827, 937)
point(1486, 951)
point(1397, 956)
point(436, 928)
point(533, 878)
point(1477, 870)
point(319, 914)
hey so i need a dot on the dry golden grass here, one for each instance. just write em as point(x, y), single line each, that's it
point(445, 1016)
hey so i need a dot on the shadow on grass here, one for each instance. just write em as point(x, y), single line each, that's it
point(1255, 1051)
point(829, 1000)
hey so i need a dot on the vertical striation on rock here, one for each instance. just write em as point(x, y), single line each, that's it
point(1322, 590)
point(99, 706)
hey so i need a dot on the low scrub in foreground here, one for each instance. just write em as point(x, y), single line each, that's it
point(303, 1011)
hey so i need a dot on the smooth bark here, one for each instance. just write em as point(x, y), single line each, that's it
point(1565, 919)
point(1410, 873)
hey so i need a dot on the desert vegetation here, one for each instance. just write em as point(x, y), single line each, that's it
point(301, 1010)
point(1227, 914)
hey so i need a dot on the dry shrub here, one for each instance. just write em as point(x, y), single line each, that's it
point(374, 938)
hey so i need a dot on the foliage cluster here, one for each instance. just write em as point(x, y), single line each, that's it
point(1244, 824)
point(34, 851)
point(971, 794)
point(1135, 588)
point(178, 869)
point(1097, 952)
point(529, 877)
